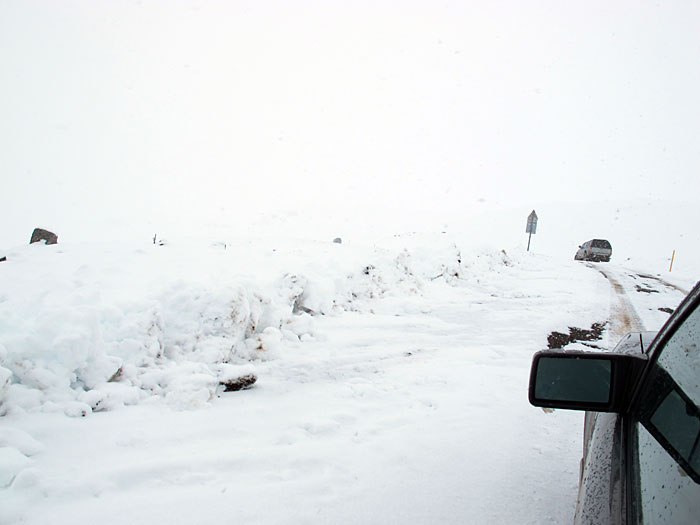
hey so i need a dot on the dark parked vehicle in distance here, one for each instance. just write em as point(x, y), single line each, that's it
point(594, 250)
point(641, 456)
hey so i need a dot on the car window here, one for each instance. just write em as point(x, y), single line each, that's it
point(681, 358)
point(669, 430)
point(667, 493)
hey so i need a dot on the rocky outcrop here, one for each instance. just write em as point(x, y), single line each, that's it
point(39, 235)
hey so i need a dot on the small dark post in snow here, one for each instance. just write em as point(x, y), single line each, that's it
point(531, 227)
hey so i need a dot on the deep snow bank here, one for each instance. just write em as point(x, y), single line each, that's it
point(92, 327)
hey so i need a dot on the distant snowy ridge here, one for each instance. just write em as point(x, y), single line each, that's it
point(93, 327)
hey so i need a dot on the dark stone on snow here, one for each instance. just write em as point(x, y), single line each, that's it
point(239, 383)
point(579, 334)
point(116, 376)
point(3, 259)
point(338, 240)
point(43, 235)
point(560, 340)
point(298, 307)
point(557, 340)
point(645, 290)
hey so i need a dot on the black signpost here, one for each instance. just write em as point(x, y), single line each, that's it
point(531, 227)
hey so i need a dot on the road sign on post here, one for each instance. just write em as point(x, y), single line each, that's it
point(531, 227)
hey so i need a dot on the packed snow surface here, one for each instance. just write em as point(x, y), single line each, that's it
point(392, 381)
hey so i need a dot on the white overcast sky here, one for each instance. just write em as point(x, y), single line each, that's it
point(115, 113)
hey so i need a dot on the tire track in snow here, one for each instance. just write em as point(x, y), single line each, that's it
point(664, 283)
point(624, 318)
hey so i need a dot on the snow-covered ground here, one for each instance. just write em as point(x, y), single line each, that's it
point(392, 380)
point(392, 367)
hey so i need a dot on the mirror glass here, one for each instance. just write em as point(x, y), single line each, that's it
point(574, 379)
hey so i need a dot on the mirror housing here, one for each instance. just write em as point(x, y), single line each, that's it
point(576, 380)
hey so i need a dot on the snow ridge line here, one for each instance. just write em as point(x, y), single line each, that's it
point(81, 347)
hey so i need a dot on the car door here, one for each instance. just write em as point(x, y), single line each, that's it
point(642, 433)
point(663, 433)
point(581, 252)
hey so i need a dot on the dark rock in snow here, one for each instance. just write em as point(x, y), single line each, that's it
point(338, 240)
point(239, 383)
point(557, 340)
point(116, 376)
point(3, 259)
point(298, 307)
point(580, 334)
point(560, 340)
point(39, 235)
point(645, 290)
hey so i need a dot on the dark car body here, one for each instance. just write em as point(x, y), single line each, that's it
point(641, 457)
point(594, 250)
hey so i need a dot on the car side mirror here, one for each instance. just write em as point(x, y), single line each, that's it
point(596, 381)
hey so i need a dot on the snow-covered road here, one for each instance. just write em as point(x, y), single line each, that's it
point(641, 301)
point(408, 405)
